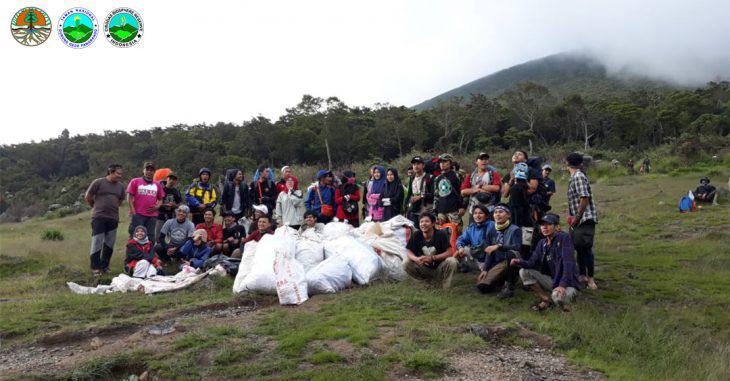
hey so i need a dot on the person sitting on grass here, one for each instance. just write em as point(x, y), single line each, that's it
point(141, 261)
point(503, 242)
point(706, 192)
point(470, 244)
point(178, 229)
point(551, 268)
point(214, 230)
point(429, 254)
point(258, 212)
point(310, 222)
point(195, 252)
point(263, 227)
point(233, 234)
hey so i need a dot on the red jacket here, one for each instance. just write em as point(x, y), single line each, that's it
point(339, 200)
point(215, 231)
point(256, 236)
point(137, 252)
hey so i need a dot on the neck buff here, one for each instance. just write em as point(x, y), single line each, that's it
point(501, 227)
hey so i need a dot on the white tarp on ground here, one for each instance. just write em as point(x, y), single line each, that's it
point(156, 284)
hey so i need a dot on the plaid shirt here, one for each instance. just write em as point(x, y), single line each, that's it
point(577, 188)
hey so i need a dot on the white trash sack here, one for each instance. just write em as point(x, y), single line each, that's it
point(249, 250)
point(334, 230)
point(363, 260)
point(261, 278)
point(291, 281)
point(329, 276)
point(310, 250)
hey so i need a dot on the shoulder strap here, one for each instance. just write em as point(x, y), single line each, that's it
point(320, 195)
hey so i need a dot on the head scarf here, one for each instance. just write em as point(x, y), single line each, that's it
point(378, 186)
point(391, 188)
point(144, 240)
point(294, 178)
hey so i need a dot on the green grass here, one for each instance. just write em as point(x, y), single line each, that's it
point(660, 312)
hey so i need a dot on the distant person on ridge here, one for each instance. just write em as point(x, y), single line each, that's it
point(105, 195)
point(144, 196)
point(201, 194)
point(583, 218)
point(419, 195)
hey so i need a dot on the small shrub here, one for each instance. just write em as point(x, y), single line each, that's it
point(52, 235)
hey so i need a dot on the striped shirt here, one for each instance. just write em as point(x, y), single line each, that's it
point(577, 188)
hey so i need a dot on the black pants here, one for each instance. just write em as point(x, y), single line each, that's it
point(103, 236)
point(582, 236)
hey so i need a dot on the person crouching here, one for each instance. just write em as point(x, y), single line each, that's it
point(429, 253)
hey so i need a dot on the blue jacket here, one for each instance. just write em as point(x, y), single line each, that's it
point(474, 236)
point(328, 197)
point(560, 260)
point(197, 255)
point(511, 241)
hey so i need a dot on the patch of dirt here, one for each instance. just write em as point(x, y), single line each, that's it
point(63, 351)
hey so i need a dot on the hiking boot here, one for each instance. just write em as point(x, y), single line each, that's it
point(506, 292)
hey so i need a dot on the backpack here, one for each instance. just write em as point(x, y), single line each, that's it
point(687, 203)
point(432, 167)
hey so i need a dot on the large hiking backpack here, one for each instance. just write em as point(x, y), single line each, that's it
point(432, 167)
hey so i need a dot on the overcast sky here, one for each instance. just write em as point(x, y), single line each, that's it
point(210, 61)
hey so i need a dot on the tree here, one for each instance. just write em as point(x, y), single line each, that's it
point(30, 18)
point(527, 100)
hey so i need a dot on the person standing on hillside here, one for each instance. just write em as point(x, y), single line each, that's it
point(144, 196)
point(582, 218)
point(235, 198)
point(374, 189)
point(482, 186)
point(264, 189)
point(200, 195)
point(547, 182)
point(321, 198)
point(105, 195)
point(286, 172)
point(447, 200)
point(392, 198)
point(172, 200)
point(290, 205)
point(346, 197)
point(419, 195)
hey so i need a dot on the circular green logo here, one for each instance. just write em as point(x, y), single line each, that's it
point(78, 28)
point(31, 26)
point(123, 27)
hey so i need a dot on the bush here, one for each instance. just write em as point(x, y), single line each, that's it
point(52, 235)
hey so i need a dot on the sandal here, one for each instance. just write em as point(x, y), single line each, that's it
point(541, 306)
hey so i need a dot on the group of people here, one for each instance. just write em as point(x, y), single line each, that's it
point(503, 241)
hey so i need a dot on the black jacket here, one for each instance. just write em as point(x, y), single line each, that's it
point(426, 192)
point(264, 193)
point(229, 190)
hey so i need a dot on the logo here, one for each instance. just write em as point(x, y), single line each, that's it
point(31, 26)
point(123, 27)
point(78, 28)
point(444, 188)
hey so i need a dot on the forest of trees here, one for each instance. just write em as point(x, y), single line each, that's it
point(329, 132)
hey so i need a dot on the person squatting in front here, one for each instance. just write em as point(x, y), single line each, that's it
point(502, 243)
point(429, 254)
point(141, 261)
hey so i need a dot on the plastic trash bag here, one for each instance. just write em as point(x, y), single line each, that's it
point(329, 276)
point(291, 281)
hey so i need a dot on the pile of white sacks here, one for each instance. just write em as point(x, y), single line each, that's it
point(295, 266)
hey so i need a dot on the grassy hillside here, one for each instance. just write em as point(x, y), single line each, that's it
point(660, 311)
point(563, 74)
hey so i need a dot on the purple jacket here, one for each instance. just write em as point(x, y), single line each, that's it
point(560, 259)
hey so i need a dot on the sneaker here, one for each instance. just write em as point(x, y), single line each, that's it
point(505, 293)
point(582, 279)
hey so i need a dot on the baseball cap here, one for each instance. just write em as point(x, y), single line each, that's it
point(417, 159)
point(322, 173)
point(483, 156)
point(547, 166)
point(149, 164)
point(172, 174)
point(261, 208)
point(552, 219)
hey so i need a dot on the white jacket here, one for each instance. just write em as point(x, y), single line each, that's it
point(290, 208)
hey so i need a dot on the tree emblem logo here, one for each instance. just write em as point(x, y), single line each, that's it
point(123, 27)
point(31, 26)
point(78, 28)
